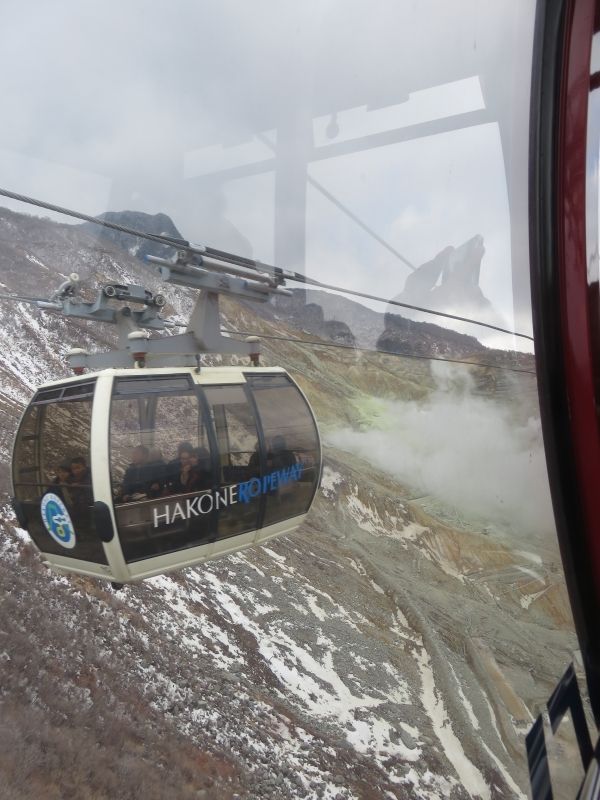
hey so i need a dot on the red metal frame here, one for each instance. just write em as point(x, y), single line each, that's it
point(576, 311)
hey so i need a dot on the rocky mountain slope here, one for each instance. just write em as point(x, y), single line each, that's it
point(395, 647)
point(157, 224)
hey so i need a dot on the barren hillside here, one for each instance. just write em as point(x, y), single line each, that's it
point(395, 647)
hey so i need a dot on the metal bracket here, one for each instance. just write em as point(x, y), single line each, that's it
point(565, 697)
point(136, 348)
point(203, 333)
point(64, 301)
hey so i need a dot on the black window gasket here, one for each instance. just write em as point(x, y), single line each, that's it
point(69, 391)
point(167, 384)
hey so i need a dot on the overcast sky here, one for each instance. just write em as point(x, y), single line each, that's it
point(217, 113)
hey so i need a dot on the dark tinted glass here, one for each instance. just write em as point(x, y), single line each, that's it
point(69, 391)
point(382, 148)
point(237, 440)
point(47, 395)
point(291, 465)
point(78, 390)
point(52, 458)
point(147, 385)
point(160, 469)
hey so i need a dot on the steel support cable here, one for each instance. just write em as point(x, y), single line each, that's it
point(314, 282)
point(18, 298)
point(248, 262)
point(332, 199)
point(313, 343)
point(358, 221)
point(95, 220)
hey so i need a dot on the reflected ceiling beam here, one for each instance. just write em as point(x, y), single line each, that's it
point(235, 173)
point(358, 221)
point(293, 148)
point(345, 210)
point(419, 131)
point(422, 130)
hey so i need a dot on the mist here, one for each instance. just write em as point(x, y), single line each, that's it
point(412, 119)
point(483, 457)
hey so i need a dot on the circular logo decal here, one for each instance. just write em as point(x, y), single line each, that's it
point(57, 520)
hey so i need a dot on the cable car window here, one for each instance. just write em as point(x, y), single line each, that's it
point(70, 391)
point(26, 460)
point(239, 460)
point(385, 150)
point(292, 447)
point(268, 381)
point(177, 428)
point(52, 479)
point(160, 467)
point(79, 390)
point(145, 385)
point(47, 395)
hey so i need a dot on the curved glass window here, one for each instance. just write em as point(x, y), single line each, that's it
point(160, 467)
point(190, 465)
point(291, 443)
point(383, 149)
point(238, 448)
point(51, 473)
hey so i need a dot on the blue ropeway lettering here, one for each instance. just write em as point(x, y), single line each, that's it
point(279, 477)
point(226, 496)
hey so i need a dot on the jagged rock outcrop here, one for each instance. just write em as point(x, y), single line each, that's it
point(157, 224)
point(450, 283)
point(309, 317)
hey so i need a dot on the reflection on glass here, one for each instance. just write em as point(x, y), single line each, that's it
point(52, 457)
point(383, 151)
point(291, 445)
point(237, 441)
point(160, 462)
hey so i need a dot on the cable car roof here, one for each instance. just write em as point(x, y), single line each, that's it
point(229, 374)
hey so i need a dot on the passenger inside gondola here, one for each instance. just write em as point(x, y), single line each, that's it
point(137, 478)
point(80, 490)
point(63, 475)
point(202, 468)
point(157, 469)
point(279, 456)
point(254, 462)
point(60, 484)
point(190, 471)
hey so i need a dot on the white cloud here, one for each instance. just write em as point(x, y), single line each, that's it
point(481, 456)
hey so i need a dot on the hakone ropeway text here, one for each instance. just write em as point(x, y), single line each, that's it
point(226, 496)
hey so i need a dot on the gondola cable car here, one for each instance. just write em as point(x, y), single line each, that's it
point(145, 461)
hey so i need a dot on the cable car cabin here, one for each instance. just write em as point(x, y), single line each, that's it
point(125, 474)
